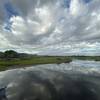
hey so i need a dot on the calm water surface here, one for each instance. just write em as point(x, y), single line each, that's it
point(78, 80)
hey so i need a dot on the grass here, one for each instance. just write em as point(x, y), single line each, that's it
point(36, 60)
point(5, 64)
point(95, 58)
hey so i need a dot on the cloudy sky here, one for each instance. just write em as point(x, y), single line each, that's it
point(50, 26)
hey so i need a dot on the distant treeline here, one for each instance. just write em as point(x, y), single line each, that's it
point(11, 58)
point(11, 54)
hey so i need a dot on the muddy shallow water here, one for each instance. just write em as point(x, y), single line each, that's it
point(78, 80)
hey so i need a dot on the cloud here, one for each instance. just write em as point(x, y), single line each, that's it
point(82, 48)
point(39, 23)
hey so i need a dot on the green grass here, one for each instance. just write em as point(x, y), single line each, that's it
point(95, 58)
point(5, 64)
point(36, 60)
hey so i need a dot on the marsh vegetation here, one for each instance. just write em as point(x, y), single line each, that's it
point(12, 58)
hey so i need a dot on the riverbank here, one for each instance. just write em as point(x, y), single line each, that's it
point(37, 60)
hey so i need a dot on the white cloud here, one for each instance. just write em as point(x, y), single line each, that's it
point(18, 26)
point(47, 22)
point(75, 7)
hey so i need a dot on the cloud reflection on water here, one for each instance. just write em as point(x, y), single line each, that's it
point(52, 82)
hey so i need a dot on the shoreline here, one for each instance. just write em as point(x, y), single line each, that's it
point(11, 63)
point(38, 60)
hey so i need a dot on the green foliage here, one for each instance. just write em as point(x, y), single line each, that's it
point(1, 54)
point(11, 58)
point(10, 54)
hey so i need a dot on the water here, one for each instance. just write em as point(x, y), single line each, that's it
point(78, 80)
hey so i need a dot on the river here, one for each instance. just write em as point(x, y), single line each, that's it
point(78, 80)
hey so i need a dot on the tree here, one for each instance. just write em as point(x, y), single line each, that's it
point(10, 54)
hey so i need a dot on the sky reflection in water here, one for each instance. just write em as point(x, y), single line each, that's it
point(78, 80)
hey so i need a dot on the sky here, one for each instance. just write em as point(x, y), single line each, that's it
point(50, 27)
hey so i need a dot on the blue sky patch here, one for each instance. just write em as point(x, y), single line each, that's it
point(10, 11)
point(87, 1)
point(66, 3)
